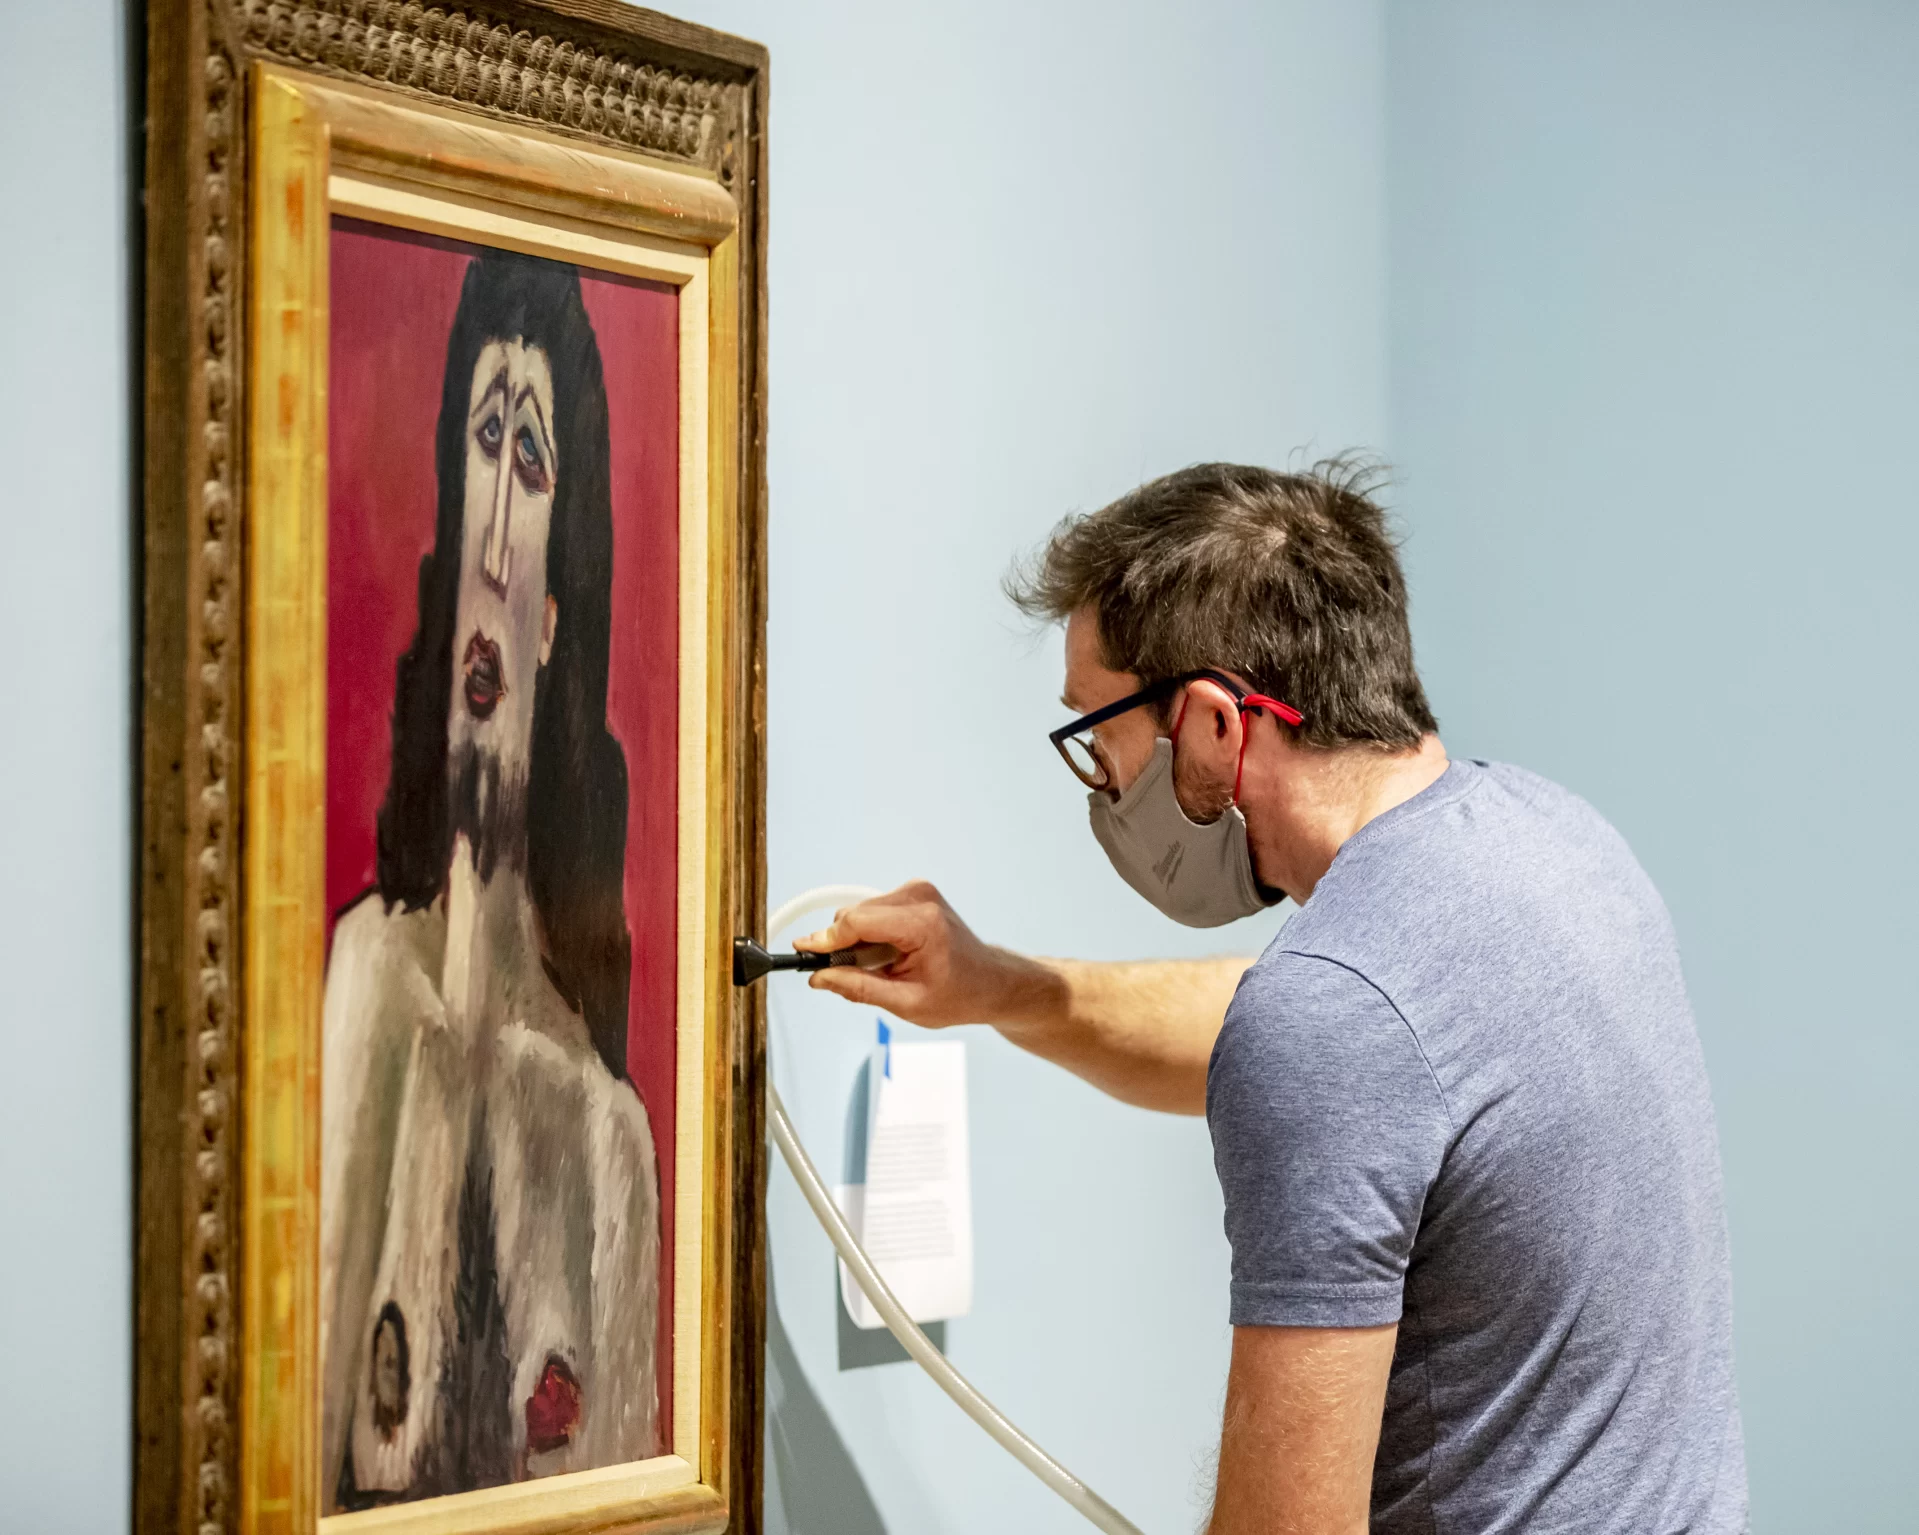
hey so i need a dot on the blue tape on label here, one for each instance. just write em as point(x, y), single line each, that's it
point(886, 1044)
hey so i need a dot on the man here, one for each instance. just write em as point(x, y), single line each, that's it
point(490, 1241)
point(1459, 1112)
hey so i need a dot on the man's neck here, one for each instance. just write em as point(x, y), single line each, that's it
point(493, 954)
point(1312, 802)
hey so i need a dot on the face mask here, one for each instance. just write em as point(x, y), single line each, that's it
point(1201, 876)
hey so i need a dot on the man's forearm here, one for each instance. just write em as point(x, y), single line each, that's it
point(1142, 1032)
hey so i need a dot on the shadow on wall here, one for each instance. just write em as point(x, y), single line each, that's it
point(814, 1485)
point(861, 1348)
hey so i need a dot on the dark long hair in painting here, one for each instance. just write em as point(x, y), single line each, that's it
point(576, 785)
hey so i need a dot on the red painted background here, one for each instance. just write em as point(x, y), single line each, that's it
point(393, 298)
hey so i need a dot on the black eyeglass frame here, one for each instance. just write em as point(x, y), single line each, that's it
point(1248, 701)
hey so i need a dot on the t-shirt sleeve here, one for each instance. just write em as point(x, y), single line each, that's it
point(1328, 1129)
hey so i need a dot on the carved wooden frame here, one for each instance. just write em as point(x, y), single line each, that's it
point(632, 87)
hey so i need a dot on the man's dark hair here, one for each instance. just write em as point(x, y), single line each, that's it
point(576, 789)
point(1292, 581)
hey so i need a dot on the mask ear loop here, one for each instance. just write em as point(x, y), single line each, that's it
point(1252, 703)
point(1259, 703)
point(1239, 770)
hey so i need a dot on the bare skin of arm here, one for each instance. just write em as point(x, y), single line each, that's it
point(1142, 1032)
point(1303, 1408)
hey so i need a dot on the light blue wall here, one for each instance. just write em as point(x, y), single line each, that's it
point(1648, 284)
point(1654, 313)
point(1022, 257)
point(66, 1232)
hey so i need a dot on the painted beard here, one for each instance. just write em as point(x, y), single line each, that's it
point(489, 806)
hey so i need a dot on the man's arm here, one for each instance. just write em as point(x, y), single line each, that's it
point(1142, 1032)
point(1303, 1407)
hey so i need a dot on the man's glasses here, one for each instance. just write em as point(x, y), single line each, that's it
point(1081, 751)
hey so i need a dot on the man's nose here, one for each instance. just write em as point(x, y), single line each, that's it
point(496, 559)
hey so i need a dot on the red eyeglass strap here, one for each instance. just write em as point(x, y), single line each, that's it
point(1286, 712)
point(1251, 703)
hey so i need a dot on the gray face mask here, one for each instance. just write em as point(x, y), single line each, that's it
point(1199, 875)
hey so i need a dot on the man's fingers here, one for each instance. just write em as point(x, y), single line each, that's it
point(864, 987)
point(837, 934)
point(827, 938)
point(876, 921)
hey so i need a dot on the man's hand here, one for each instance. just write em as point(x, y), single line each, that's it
point(1142, 1032)
point(944, 974)
point(1303, 1408)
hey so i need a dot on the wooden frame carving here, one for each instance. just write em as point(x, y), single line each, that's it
point(611, 136)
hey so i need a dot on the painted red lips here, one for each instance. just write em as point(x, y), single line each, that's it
point(485, 682)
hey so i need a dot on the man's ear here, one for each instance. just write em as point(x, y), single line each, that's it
point(547, 628)
point(1208, 756)
point(1213, 714)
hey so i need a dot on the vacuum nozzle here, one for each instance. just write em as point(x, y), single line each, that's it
point(751, 960)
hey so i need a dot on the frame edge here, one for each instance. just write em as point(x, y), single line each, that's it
point(186, 1299)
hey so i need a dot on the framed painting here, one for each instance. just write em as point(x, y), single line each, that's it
point(451, 1156)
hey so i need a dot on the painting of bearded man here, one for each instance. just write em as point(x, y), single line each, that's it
point(491, 1220)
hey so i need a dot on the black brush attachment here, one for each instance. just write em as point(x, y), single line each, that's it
point(751, 960)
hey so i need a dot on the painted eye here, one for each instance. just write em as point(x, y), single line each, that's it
point(490, 432)
point(526, 454)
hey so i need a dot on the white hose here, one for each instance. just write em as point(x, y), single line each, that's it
point(1089, 1503)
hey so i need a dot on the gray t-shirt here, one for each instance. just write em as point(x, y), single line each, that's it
point(1462, 1091)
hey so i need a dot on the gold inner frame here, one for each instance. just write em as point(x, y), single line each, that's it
point(321, 148)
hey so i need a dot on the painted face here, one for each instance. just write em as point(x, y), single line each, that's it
point(503, 631)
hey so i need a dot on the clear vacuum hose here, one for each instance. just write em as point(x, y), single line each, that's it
point(1101, 1513)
